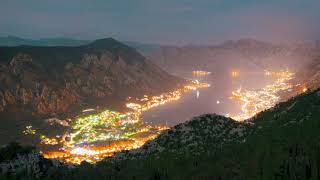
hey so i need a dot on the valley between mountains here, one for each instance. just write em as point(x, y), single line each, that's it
point(80, 111)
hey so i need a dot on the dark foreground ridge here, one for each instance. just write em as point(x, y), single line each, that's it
point(281, 143)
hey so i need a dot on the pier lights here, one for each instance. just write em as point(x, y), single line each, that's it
point(235, 73)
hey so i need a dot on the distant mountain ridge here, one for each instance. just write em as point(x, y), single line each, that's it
point(17, 41)
point(243, 53)
point(12, 41)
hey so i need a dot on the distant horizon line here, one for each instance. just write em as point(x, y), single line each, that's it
point(160, 44)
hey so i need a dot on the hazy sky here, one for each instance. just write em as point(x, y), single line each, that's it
point(162, 21)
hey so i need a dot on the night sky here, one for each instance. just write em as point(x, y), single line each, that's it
point(163, 21)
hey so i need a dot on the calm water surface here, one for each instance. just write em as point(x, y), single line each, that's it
point(215, 99)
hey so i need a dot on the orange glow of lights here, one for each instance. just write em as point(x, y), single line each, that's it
point(304, 89)
point(235, 73)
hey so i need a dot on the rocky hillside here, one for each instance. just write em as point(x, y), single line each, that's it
point(191, 138)
point(47, 81)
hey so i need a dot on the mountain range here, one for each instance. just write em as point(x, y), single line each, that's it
point(243, 54)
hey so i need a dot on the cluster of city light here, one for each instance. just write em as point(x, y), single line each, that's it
point(95, 153)
point(29, 130)
point(255, 101)
point(148, 102)
point(96, 136)
point(49, 141)
point(52, 121)
point(201, 73)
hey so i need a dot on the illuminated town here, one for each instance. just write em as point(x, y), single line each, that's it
point(255, 101)
point(94, 137)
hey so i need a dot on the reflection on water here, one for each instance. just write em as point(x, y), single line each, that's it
point(237, 94)
point(197, 102)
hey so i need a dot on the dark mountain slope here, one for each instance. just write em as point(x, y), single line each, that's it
point(38, 82)
point(58, 56)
